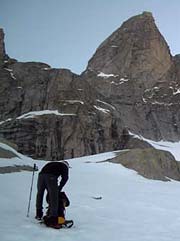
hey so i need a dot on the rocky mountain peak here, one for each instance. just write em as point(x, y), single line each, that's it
point(131, 85)
point(137, 50)
point(2, 45)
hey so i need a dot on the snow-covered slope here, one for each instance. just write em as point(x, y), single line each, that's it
point(108, 202)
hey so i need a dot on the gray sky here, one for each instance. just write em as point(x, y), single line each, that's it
point(66, 33)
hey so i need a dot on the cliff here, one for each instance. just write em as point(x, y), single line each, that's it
point(131, 83)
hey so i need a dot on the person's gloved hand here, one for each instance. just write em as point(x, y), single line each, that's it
point(39, 214)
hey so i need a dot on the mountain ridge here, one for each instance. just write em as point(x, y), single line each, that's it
point(132, 85)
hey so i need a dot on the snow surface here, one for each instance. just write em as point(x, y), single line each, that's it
point(75, 102)
point(108, 203)
point(11, 73)
point(1, 122)
point(32, 114)
point(106, 111)
point(176, 92)
point(105, 103)
point(103, 75)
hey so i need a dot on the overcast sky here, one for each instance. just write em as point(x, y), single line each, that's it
point(66, 33)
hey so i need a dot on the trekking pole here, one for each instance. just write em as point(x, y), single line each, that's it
point(30, 194)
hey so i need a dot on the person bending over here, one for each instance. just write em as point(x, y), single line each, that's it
point(48, 180)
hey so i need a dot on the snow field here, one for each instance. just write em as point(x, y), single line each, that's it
point(108, 202)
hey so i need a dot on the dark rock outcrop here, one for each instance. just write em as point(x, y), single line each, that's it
point(6, 153)
point(16, 168)
point(3, 56)
point(2, 46)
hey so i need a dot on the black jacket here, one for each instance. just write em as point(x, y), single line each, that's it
point(57, 169)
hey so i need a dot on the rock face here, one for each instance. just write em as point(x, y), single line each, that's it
point(136, 50)
point(134, 70)
point(53, 113)
point(2, 48)
point(150, 163)
point(131, 83)
point(3, 55)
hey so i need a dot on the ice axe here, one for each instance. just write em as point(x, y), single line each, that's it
point(30, 194)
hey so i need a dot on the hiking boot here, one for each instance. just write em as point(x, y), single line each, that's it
point(39, 214)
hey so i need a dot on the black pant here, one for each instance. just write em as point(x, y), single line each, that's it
point(50, 183)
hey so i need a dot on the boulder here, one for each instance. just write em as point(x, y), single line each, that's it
point(150, 163)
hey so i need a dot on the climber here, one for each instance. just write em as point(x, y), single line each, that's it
point(48, 179)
